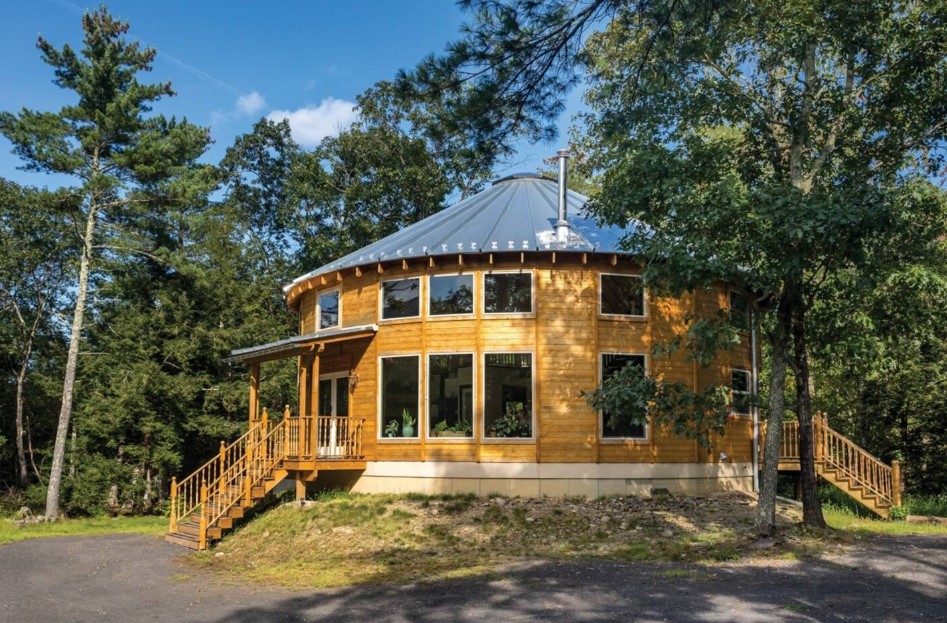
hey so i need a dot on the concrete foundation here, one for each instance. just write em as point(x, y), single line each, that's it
point(547, 479)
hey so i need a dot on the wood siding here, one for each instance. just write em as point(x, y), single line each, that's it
point(565, 334)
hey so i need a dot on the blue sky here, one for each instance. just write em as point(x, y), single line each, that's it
point(234, 62)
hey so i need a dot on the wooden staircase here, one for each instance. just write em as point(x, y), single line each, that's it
point(207, 502)
point(845, 465)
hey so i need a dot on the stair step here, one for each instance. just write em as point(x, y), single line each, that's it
point(184, 540)
point(225, 522)
point(189, 528)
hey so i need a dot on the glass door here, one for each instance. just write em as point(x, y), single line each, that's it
point(333, 404)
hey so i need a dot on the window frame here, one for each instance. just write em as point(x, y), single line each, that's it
point(612, 316)
point(381, 299)
point(747, 312)
point(319, 295)
point(473, 399)
point(601, 412)
point(748, 393)
point(473, 287)
point(380, 432)
point(532, 293)
point(483, 396)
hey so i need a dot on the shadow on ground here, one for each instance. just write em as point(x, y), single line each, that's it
point(897, 579)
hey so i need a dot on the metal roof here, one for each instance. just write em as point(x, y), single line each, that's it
point(292, 346)
point(517, 213)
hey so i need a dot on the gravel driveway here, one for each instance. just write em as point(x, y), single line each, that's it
point(134, 578)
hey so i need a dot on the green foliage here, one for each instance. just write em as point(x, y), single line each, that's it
point(784, 145)
point(630, 396)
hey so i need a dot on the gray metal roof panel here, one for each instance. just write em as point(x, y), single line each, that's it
point(517, 213)
point(290, 343)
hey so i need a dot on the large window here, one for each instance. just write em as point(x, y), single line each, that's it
point(622, 295)
point(508, 293)
point(740, 388)
point(328, 310)
point(450, 294)
point(508, 394)
point(399, 396)
point(400, 298)
point(450, 395)
point(739, 311)
point(620, 426)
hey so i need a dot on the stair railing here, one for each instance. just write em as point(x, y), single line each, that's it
point(851, 461)
point(186, 494)
point(857, 464)
point(265, 451)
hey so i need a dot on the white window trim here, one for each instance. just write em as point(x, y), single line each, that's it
point(748, 392)
point(381, 299)
point(644, 300)
point(380, 432)
point(601, 424)
point(483, 394)
point(746, 310)
point(338, 324)
point(473, 285)
point(532, 293)
point(473, 399)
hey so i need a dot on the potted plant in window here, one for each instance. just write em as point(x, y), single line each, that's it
point(513, 422)
point(407, 424)
point(392, 428)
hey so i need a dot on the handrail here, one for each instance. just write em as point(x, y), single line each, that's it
point(267, 452)
point(856, 463)
point(186, 494)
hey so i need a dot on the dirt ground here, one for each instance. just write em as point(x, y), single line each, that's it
point(134, 578)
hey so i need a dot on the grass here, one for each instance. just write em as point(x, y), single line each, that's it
point(383, 539)
point(846, 521)
point(153, 526)
point(347, 539)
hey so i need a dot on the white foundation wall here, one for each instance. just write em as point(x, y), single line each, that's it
point(553, 479)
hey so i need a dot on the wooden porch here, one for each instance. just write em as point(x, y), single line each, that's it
point(207, 502)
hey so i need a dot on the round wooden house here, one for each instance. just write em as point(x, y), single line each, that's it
point(457, 352)
point(452, 357)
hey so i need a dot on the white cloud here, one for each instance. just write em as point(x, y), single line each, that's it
point(311, 124)
point(251, 103)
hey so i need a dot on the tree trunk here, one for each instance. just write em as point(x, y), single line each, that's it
point(24, 477)
point(765, 522)
point(811, 505)
point(72, 358)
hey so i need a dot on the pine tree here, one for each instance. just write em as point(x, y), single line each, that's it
point(125, 163)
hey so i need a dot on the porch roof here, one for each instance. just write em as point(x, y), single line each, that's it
point(300, 344)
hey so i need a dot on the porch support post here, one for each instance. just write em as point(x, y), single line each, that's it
point(300, 486)
point(305, 361)
point(315, 405)
point(254, 390)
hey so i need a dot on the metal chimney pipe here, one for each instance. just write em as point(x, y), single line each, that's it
point(562, 227)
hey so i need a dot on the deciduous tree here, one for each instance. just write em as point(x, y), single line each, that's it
point(765, 144)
